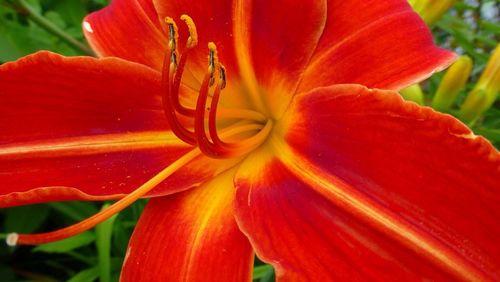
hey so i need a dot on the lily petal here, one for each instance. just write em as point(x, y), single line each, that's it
point(379, 44)
point(129, 30)
point(393, 190)
point(85, 128)
point(273, 53)
point(190, 236)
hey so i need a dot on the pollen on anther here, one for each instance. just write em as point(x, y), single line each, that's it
point(193, 34)
point(12, 239)
point(173, 33)
point(213, 59)
point(223, 76)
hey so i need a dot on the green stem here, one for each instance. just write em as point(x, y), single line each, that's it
point(104, 233)
point(52, 28)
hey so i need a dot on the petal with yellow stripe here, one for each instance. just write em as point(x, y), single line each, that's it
point(358, 184)
point(190, 236)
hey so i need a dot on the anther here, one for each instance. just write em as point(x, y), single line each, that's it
point(173, 62)
point(178, 69)
point(213, 61)
point(192, 40)
point(223, 76)
point(173, 34)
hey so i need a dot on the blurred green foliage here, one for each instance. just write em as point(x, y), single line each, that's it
point(21, 35)
point(471, 28)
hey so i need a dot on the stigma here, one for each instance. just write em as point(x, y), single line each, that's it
point(204, 116)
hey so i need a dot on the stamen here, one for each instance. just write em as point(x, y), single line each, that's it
point(212, 117)
point(169, 110)
point(199, 120)
point(217, 148)
point(192, 41)
point(170, 93)
point(211, 145)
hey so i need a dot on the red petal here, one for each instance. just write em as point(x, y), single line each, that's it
point(379, 44)
point(371, 187)
point(129, 30)
point(308, 238)
point(190, 236)
point(95, 125)
point(281, 37)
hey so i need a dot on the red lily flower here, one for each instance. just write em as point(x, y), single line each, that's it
point(323, 178)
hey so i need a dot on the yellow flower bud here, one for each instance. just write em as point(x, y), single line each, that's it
point(453, 81)
point(472, 107)
point(417, 5)
point(489, 80)
point(431, 10)
point(413, 93)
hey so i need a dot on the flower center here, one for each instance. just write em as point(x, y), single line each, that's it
point(247, 129)
point(205, 115)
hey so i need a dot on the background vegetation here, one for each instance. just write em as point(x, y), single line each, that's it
point(470, 27)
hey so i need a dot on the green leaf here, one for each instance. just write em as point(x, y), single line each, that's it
point(86, 275)
point(35, 4)
point(74, 210)
point(25, 219)
point(262, 271)
point(9, 50)
point(72, 12)
point(103, 244)
point(491, 27)
point(491, 134)
point(68, 244)
point(56, 19)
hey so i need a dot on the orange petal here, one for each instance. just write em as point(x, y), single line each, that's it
point(84, 128)
point(365, 186)
point(129, 30)
point(379, 44)
point(190, 236)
